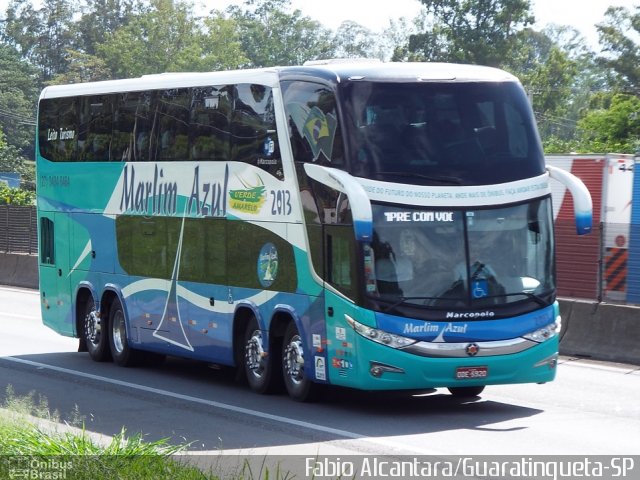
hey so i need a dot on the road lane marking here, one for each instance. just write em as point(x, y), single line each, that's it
point(225, 406)
point(17, 315)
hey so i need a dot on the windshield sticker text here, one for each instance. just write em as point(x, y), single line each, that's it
point(419, 216)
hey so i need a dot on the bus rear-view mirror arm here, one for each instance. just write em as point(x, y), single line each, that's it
point(358, 198)
point(582, 204)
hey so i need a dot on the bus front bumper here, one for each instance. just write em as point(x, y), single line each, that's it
point(383, 368)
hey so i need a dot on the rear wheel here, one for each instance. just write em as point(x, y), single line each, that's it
point(298, 385)
point(466, 392)
point(122, 353)
point(258, 363)
point(94, 333)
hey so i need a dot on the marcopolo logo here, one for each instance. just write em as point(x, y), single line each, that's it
point(474, 315)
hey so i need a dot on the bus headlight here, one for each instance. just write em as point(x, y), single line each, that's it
point(545, 333)
point(380, 336)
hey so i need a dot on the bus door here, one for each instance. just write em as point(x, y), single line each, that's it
point(55, 293)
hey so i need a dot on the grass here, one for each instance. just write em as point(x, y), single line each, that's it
point(31, 451)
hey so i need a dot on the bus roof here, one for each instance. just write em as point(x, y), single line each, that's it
point(400, 71)
point(335, 71)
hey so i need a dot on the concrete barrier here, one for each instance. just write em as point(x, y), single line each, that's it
point(19, 270)
point(601, 331)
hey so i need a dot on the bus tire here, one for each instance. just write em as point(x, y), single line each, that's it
point(298, 385)
point(466, 392)
point(95, 333)
point(258, 364)
point(122, 353)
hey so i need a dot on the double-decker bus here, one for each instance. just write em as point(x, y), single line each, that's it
point(370, 225)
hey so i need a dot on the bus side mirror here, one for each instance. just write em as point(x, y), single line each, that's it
point(358, 198)
point(582, 204)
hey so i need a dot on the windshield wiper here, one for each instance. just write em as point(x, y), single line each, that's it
point(440, 178)
point(536, 298)
point(405, 300)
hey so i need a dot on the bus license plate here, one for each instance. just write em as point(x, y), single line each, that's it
point(470, 373)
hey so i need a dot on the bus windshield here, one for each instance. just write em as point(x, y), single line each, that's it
point(464, 258)
point(453, 133)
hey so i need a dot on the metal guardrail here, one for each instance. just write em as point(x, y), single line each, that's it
point(18, 229)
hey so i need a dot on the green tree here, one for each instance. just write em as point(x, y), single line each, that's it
point(154, 41)
point(101, 18)
point(167, 37)
point(356, 41)
point(612, 125)
point(222, 46)
point(547, 73)
point(12, 162)
point(41, 35)
point(471, 31)
point(18, 95)
point(16, 196)
point(270, 36)
point(621, 53)
point(83, 67)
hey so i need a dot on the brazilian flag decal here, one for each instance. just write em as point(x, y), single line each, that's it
point(319, 130)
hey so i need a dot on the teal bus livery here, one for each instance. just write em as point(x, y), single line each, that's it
point(380, 226)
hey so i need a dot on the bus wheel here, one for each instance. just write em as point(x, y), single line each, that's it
point(258, 364)
point(122, 353)
point(466, 392)
point(298, 385)
point(94, 333)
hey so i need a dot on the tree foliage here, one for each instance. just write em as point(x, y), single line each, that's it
point(270, 35)
point(12, 162)
point(18, 89)
point(621, 52)
point(471, 31)
point(575, 93)
point(614, 126)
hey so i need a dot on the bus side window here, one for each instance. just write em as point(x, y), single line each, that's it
point(94, 139)
point(173, 117)
point(58, 129)
point(253, 128)
point(133, 136)
point(313, 126)
point(340, 257)
point(210, 124)
point(47, 251)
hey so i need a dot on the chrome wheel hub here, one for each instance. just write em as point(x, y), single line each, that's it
point(293, 359)
point(254, 354)
point(93, 327)
point(118, 332)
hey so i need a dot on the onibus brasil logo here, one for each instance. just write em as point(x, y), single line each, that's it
point(249, 199)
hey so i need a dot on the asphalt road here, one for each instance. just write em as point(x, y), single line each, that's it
point(592, 408)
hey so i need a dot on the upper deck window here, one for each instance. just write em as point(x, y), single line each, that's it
point(471, 133)
point(209, 123)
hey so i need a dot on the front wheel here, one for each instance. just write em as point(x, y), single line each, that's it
point(466, 392)
point(94, 333)
point(122, 353)
point(299, 386)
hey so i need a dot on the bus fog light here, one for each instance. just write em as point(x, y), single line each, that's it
point(376, 369)
point(550, 362)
